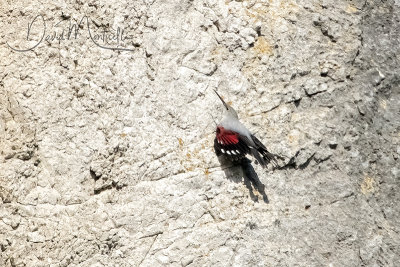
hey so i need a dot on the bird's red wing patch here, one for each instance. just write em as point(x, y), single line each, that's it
point(227, 137)
point(231, 139)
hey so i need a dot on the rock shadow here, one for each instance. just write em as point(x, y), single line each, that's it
point(235, 171)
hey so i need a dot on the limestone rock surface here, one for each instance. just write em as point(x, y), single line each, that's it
point(107, 128)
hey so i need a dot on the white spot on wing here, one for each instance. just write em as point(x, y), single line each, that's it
point(222, 150)
point(233, 152)
point(228, 152)
point(237, 151)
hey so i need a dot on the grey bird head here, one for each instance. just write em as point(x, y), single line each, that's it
point(229, 111)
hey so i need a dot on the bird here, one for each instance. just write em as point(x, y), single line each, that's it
point(235, 141)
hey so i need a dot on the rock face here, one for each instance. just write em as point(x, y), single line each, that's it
point(106, 154)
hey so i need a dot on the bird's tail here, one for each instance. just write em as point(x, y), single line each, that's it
point(264, 157)
point(269, 157)
point(258, 157)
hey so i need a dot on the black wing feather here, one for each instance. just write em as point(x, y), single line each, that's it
point(267, 156)
point(241, 149)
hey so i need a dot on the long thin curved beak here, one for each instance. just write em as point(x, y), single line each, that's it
point(223, 102)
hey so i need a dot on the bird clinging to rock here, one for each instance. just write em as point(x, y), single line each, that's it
point(235, 141)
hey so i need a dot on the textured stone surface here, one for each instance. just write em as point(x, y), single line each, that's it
point(107, 159)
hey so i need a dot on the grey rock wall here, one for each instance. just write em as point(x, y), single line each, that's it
point(106, 156)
